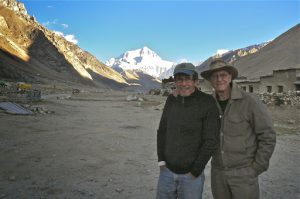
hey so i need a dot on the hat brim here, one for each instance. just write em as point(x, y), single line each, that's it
point(182, 71)
point(233, 71)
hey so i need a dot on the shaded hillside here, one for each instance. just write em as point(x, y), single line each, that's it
point(140, 81)
point(283, 52)
point(41, 62)
point(30, 52)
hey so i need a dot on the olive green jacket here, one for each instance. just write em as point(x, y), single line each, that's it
point(247, 136)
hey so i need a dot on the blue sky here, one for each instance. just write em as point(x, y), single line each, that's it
point(176, 30)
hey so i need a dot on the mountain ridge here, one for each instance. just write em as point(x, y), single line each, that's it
point(143, 59)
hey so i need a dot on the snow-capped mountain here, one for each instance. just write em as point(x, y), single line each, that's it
point(143, 59)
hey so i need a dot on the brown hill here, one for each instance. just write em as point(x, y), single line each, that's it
point(283, 52)
point(259, 60)
point(232, 55)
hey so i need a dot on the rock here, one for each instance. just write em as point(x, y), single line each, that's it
point(159, 107)
point(140, 99)
point(289, 98)
point(119, 190)
point(131, 98)
point(291, 121)
point(154, 92)
point(3, 23)
point(12, 178)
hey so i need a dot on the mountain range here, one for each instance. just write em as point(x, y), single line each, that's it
point(30, 52)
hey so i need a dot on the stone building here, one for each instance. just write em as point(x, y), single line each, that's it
point(250, 86)
point(282, 80)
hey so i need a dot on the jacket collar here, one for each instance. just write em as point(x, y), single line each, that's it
point(236, 93)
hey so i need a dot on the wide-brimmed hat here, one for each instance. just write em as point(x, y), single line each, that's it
point(219, 64)
point(185, 68)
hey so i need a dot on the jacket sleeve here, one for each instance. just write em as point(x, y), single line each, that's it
point(161, 132)
point(211, 127)
point(265, 134)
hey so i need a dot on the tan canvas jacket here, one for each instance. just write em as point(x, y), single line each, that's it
point(247, 136)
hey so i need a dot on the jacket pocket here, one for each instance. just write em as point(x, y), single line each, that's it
point(236, 118)
point(236, 125)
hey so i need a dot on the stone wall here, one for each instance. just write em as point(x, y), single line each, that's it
point(290, 98)
point(280, 78)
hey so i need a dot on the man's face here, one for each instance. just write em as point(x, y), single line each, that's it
point(220, 80)
point(185, 84)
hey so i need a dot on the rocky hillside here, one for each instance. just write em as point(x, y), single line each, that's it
point(259, 60)
point(30, 52)
point(283, 52)
point(232, 56)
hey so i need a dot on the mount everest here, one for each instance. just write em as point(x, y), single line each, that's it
point(145, 60)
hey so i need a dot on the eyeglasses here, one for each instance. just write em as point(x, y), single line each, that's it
point(219, 75)
point(184, 79)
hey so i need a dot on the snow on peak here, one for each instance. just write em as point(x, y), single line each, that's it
point(143, 59)
point(221, 52)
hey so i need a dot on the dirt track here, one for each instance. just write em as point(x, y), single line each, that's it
point(102, 146)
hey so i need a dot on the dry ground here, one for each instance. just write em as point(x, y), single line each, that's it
point(101, 146)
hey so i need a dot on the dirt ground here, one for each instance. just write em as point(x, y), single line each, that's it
point(98, 145)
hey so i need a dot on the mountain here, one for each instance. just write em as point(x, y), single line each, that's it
point(231, 56)
point(166, 74)
point(32, 53)
point(258, 60)
point(281, 53)
point(140, 81)
point(144, 59)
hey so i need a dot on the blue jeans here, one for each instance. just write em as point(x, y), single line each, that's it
point(181, 186)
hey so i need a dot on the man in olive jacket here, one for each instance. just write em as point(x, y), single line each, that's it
point(247, 136)
point(186, 138)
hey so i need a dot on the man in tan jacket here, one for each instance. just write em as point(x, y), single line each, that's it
point(247, 136)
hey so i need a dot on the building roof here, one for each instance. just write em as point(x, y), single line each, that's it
point(297, 82)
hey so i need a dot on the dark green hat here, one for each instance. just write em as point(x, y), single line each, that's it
point(185, 68)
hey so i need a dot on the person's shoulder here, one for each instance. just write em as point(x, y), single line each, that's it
point(252, 98)
point(206, 98)
point(170, 98)
point(205, 95)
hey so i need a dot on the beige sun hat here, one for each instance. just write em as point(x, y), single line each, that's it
point(219, 64)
